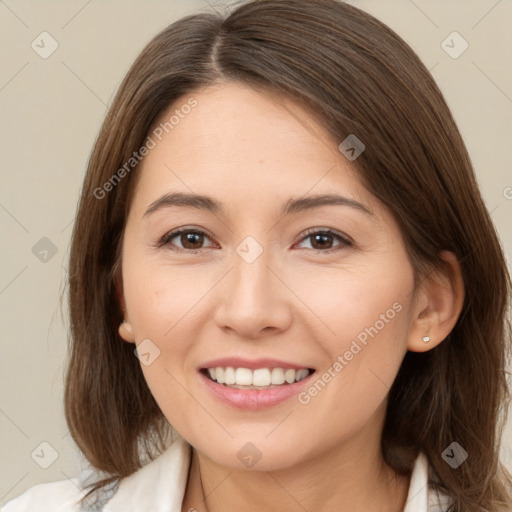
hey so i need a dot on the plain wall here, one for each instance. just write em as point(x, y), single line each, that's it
point(52, 110)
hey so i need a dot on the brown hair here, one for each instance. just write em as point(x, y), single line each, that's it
point(359, 78)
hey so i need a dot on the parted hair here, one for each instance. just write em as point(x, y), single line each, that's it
point(357, 76)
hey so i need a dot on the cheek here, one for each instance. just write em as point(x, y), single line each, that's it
point(365, 319)
point(163, 303)
point(349, 303)
point(160, 297)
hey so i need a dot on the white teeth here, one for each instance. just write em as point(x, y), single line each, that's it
point(260, 378)
point(243, 377)
point(229, 376)
point(277, 377)
point(289, 376)
point(301, 374)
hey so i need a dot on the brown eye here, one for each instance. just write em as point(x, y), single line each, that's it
point(191, 240)
point(185, 240)
point(322, 241)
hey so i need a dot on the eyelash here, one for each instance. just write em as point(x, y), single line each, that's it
point(165, 240)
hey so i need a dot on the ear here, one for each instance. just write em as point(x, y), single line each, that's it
point(125, 328)
point(438, 305)
point(126, 331)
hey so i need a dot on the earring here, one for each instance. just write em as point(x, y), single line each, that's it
point(426, 339)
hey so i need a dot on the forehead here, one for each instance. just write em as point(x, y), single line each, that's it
point(243, 143)
point(239, 121)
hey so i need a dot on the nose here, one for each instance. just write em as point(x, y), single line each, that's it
point(253, 299)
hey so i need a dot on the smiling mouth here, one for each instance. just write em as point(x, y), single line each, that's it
point(260, 378)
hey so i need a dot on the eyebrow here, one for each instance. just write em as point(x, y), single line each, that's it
point(206, 203)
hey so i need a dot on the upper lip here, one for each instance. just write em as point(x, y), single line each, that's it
point(251, 364)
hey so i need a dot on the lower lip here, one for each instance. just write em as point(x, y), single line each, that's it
point(254, 398)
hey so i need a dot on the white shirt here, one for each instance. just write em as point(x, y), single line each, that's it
point(160, 485)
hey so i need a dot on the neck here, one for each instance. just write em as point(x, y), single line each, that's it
point(353, 476)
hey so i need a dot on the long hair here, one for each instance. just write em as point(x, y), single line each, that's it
point(358, 77)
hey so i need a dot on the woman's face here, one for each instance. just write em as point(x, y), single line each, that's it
point(270, 296)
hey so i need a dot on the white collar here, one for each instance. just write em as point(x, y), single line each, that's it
point(160, 485)
point(421, 497)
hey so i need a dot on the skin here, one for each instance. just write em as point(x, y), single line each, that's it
point(253, 151)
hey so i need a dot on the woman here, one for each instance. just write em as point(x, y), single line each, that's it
point(281, 252)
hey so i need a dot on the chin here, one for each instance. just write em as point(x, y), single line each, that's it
point(258, 454)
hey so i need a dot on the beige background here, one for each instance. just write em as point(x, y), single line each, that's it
point(51, 112)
